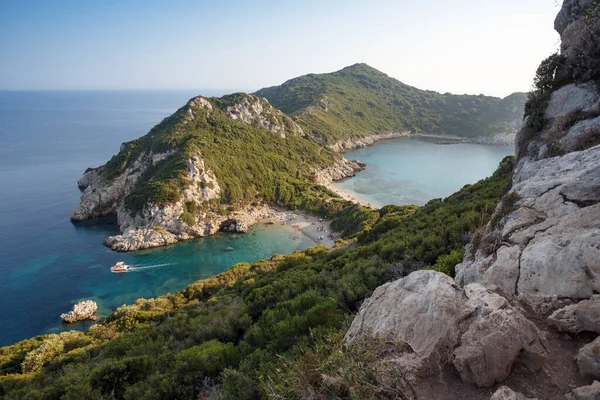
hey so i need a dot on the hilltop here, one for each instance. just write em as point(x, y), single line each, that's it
point(359, 101)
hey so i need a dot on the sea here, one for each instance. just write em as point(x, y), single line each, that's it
point(48, 263)
point(414, 170)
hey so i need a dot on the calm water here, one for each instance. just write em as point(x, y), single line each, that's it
point(47, 263)
point(415, 170)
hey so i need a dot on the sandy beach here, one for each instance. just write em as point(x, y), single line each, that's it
point(346, 195)
point(315, 228)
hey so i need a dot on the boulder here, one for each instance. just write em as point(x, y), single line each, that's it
point(476, 330)
point(579, 317)
point(505, 393)
point(423, 310)
point(591, 392)
point(81, 311)
point(497, 336)
point(588, 359)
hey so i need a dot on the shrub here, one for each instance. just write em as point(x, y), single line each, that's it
point(187, 218)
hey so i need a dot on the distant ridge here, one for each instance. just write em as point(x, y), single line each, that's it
point(359, 101)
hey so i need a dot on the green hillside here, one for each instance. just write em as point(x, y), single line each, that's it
point(270, 329)
point(359, 100)
point(250, 162)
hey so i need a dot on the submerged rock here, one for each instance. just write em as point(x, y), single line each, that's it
point(81, 311)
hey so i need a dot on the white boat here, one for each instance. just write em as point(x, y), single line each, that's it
point(119, 267)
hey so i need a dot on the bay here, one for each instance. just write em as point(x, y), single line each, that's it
point(415, 170)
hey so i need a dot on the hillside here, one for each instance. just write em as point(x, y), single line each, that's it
point(359, 101)
point(215, 162)
point(257, 330)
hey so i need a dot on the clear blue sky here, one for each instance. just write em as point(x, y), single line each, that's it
point(461, 46)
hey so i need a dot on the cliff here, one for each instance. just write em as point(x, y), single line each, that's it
point(524, 308)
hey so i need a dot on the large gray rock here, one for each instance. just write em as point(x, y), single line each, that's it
point(497, 336)
point(550, 239)
point(588, 359)
point(591, 392)
point(422, 310)
point(579, 317)
point(505, 393)
point(476, 330)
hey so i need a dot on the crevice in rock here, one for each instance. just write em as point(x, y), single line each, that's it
point(578, 203)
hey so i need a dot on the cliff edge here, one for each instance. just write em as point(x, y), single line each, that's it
point(524, 309)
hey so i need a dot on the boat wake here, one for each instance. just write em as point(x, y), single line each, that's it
point(134, 268)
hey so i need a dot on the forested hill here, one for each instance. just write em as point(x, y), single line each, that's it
point(359, 101)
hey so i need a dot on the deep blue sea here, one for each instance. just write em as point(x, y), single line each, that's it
point(415, 170)
point(47, 263)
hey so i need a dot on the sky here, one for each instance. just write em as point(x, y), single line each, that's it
point(491, 47)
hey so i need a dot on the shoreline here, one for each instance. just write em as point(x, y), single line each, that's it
point(344, 146)
point(347, 195)
point(318, 230)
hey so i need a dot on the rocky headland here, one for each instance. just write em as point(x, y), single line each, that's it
point(188, 204)
point(524, 308)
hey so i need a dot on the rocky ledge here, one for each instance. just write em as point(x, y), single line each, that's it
point(81, 311)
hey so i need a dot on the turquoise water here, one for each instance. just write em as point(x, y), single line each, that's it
point(46, 262)
point(415, 170)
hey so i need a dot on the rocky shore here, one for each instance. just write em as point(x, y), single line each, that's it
point(81, 311)
point(351, 144)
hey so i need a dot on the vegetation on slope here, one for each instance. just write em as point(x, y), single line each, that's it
point(273, 328)
point(250, 163)
point(359, 100)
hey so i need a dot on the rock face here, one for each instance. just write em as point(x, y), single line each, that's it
point(475, 330)
point(81, 311)
point(254, 110)
point(342, 168)
point(533, 273)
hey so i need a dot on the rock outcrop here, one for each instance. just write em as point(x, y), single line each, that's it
point(341, 169)
point(254, 110)
point(350, 144)
point(588, 359)
point(532, 276)
point(505, 393)
point(590, 392)
point(81, 311)
point(475, 330)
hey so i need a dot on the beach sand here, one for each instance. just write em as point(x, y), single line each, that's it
point(316, 230)
point(346, 195)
